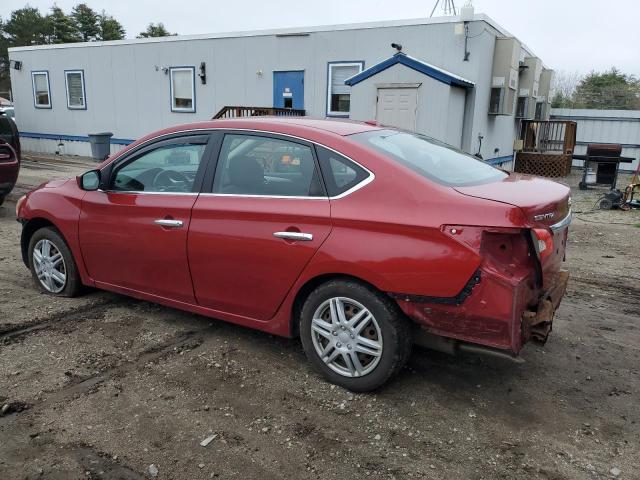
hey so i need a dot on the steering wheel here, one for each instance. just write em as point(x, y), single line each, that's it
point(170, 180)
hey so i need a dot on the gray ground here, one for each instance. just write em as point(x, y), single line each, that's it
point(104, 386)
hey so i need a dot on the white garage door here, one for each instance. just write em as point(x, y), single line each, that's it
point(397, 107)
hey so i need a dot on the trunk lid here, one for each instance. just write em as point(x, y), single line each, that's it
point(544, 202)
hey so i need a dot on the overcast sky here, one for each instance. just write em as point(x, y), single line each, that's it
point(569, 35)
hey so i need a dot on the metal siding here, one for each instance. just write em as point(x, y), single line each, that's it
point(605, 126)
point(126, 95)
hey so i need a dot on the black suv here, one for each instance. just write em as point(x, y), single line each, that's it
point(9, 155)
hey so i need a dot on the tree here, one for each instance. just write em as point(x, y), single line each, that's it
point(564, 86)
point(154, 30)
point(610, 90)
point(4, 60)
point(61, 28)
point(110, 28)
point(86, 20)
point(25, 27)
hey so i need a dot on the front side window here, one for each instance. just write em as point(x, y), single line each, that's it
point(430, 158)
point(41, 90)
point(74, 80)
point(338, 94)
point(169, 168)
point(266, 166)
point(183, 93)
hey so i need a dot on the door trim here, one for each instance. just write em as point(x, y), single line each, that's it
point(398, 85)
point(207, 187)
point(215, 141)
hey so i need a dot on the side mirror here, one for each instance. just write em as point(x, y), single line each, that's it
point(89, 181)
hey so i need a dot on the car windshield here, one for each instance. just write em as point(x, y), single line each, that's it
point(430, 158)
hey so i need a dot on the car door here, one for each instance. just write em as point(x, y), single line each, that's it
point(133, 231)
point(266, 215)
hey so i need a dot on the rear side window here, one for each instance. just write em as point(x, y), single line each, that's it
point(340, 174)
point(430, 158)
point(267, 166)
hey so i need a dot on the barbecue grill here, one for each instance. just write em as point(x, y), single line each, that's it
point(606, 158)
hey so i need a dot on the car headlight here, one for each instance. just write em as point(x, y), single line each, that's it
point(19, 205)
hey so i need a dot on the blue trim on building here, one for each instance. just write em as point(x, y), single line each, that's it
point(499, 160)
point(414, 64)
point(328, 91)
point(33, 89)
point(84, 89)
point(193, 79)
point(70, 138)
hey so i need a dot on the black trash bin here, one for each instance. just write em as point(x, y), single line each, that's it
point(100, 145)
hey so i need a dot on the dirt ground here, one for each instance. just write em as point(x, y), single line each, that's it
point(104, 386)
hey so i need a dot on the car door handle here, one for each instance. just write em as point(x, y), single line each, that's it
point(297, 236)
point(166, 222)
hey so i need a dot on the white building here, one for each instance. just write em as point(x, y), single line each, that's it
point(457, 82)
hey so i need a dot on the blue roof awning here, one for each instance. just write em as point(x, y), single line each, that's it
point(415, 64)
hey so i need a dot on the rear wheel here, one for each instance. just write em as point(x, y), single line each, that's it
point(52, 265)
point(1, 200)
point(353, 335)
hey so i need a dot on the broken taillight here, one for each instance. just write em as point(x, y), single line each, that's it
point(502, 249)
point(542, 242)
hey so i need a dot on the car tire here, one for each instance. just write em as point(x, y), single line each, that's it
point(53, 268)
point(374, 344)
point(1, 200)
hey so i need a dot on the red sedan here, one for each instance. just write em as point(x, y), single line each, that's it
point(359, 239)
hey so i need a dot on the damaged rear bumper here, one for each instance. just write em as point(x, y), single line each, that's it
point(537, 323)
point(497, 312)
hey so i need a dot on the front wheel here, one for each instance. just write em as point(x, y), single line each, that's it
point(52, 265)
point(353, 335)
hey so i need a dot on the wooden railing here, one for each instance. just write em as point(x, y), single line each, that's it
point(235, 112)
point(551, 136)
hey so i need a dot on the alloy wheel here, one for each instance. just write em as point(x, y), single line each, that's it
point(49, 266)
point(346, 336)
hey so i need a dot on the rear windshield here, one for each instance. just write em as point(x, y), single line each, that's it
point(430, 158)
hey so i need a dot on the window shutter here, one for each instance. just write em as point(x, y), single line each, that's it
point(41, 83)
point(339, 73)
point(75, 89)
point(182, 84)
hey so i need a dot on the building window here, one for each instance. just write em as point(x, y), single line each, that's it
point(540, 111)
point(521, 107)
point(495, 100)
point(41, 90)
point(74, 82)
point(183, 89)
point(338, 94)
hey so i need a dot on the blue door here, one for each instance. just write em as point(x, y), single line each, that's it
point(288, 89)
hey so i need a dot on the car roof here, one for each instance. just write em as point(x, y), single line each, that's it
point(335, 126)
point(305, 127)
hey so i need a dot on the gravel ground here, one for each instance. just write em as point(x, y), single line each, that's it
point(104, 386)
